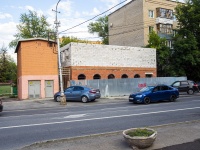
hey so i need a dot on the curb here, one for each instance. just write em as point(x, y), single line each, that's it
point(104, 134)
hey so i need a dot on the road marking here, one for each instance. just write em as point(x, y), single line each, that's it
point(71, 116)
point(61, 122)
point(75, 116)
point(61, 111)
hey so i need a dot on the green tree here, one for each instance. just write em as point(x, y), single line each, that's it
point(66, 40)
point(100, 27)
point(163, 54)
point(31, 25)
point(8, 68)
point(187, 41)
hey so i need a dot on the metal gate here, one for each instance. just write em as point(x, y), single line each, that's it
point(34, 89)
point(48, 88)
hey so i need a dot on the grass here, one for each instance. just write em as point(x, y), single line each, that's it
point(5, 89)
point(140, 132)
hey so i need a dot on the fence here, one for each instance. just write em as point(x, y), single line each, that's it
point(7, 89)
point(121, 87)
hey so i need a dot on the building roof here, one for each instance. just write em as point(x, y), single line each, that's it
point(134, 0)
point(31, 39)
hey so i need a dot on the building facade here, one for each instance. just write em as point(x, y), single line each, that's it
point(93, 61)
point(131, 24)
point(37, 68)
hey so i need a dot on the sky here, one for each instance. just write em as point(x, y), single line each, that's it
point(72, 13)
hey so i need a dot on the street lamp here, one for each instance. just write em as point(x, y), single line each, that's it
point(62, 96)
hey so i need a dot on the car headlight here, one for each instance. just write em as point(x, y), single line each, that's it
point(138, 96)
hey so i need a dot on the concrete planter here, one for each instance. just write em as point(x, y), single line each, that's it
point(139, 142)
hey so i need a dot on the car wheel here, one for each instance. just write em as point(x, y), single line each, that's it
point(147, 100)
point(58, 99)
point(84, 99)
point(172, 98)
point(190, 91)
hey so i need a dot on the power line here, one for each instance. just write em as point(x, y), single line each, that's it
point(95, 16)
point(128, 31)
point(118, 27)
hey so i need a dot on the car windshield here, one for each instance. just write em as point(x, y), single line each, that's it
point(148, 88)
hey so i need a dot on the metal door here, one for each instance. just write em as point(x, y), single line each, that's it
point(49, 88)
point(34, 89)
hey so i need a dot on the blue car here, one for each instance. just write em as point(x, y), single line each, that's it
point(79, 93)
point(154, 94)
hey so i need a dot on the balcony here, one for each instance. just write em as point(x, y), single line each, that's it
point(164, 35)
point(164, 16)
point(163, 21)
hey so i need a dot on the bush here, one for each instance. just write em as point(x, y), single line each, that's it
point(140, 132)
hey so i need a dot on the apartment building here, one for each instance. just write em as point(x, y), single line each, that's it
point(37, 68)
point(131, 24)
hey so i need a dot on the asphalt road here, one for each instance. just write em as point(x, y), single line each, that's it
point(20, 128)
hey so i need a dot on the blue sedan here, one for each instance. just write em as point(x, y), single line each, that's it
point(79, 93)
point(154, 94)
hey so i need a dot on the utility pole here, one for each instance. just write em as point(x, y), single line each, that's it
point(62, 95)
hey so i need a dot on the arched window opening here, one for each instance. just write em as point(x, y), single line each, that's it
point(137, 76)
point(96, 76)
point(124, 76)
point(81, 77)
point(111, 76)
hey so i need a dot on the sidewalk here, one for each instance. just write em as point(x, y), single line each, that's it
point(15, 104)
point(170, 137)
point(10, 104)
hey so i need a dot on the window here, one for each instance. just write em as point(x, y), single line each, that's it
point(151, 14)
point(165, 28)
point(96, 76)
point(150, 29)
point(176, 84)
point(164, 88)
point(69, 89)
point(174, 32)
point(164, 13)
point(157, 88)
point(111, 76)
point(169, 43)
point(78, 88)
point(174, 17)
point(148, 75)
point(137, 76)
point(124, 76)
point(184, 83)
point(81, 77)
point(50, 44)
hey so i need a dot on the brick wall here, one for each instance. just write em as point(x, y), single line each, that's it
point(81, 54)
point(36, 58)
point(89, 72)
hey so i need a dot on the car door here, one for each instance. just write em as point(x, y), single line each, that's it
point(165, 92)
point(68, 93)
point(184, 86)
point(77, 92)
point(156, 94)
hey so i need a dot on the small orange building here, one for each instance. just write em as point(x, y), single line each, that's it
point(37, 66)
